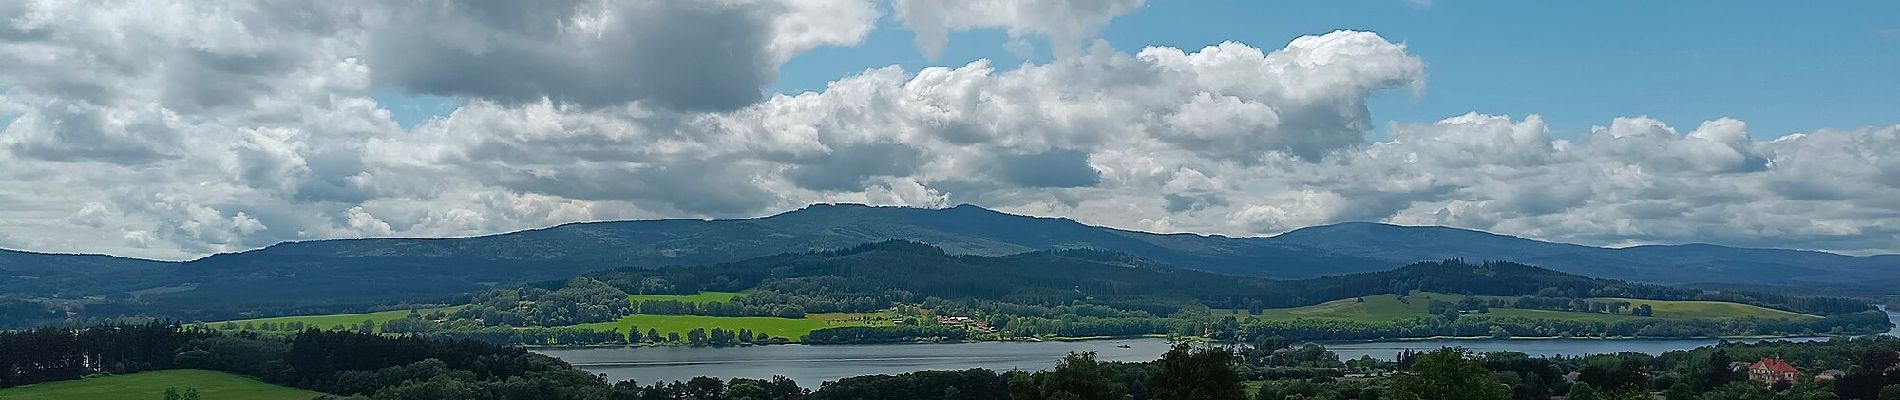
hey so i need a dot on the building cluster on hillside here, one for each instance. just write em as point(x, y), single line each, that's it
point(1771, 370)
point(965, 322)
point(947, 320)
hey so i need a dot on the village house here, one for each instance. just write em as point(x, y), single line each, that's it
point(965, 322)
point(1772, 370)
point(954, 320)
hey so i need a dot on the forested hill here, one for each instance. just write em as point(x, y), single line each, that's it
point(914, 271)
point(352, 275)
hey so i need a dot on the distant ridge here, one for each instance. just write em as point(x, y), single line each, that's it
point(371, 271)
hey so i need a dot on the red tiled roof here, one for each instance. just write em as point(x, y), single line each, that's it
point(1773, 365)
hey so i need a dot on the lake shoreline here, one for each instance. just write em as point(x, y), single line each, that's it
point(1579, 338)
point(1203, 339)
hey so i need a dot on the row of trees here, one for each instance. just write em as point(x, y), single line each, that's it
point(717, 308)
point(1704, 373)
point(1501, 326)
point(351, 365)
point(1581, 305)
point(343, 363)
point(580, 300)
point(357, 366)
point(52, 354)
point(891, 334)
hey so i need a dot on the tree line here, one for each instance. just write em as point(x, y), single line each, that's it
point(876, 275)
point(352, 365)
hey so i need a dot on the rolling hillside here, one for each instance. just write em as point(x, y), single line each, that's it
point(328, 321)
point(1119, 280)
point(1387, 307)
point(331, 276)
point(854, 285)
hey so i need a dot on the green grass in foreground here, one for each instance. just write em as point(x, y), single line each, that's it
point(698, 298)
point(790, 328)
point(211, 385)
point(327, 321)
point(1388, 307)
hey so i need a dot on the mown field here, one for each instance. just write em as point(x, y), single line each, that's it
point(1710, 309)
point(1388, 307)
point(327, 321)
point(789, 328)
point(211, 385)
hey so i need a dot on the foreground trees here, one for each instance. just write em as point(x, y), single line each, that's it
point(353, 365)
point(1446, 374)
point(1190, 373)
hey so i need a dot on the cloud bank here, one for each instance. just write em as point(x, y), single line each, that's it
point(173, 130)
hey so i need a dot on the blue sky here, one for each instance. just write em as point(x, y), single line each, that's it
point(134, 133)
point(1780, 69)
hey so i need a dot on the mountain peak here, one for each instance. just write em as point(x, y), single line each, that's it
point(1366, 229)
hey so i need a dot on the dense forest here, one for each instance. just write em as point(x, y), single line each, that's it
point(1084, 293)
point(1074, 293)
point(1053, 293)
point(908, 272)
point(351, 365)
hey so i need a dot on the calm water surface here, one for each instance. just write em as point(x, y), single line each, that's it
point(811, 365)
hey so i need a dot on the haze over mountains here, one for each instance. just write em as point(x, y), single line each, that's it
point(375, 270)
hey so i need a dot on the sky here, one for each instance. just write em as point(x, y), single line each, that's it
point(176, 129)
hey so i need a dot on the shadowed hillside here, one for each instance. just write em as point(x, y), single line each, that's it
point(332, 275)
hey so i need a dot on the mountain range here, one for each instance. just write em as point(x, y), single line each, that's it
point(324, 274)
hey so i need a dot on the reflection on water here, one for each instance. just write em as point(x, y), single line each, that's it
point(811, 365)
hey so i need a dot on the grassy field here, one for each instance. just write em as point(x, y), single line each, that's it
point(790, 328)
point(1710, 309)
point(1388, 307)
point(327, 321)
point(211, 385)
point(700, 298)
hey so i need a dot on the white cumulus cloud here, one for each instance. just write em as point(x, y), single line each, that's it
point(189, 128)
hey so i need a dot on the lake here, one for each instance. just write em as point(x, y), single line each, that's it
point(811, 365)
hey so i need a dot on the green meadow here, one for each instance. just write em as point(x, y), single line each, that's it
point(789, 328)
point(1388, 307)
point(211, 385)
point(327, 321)
point(1710, 309)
